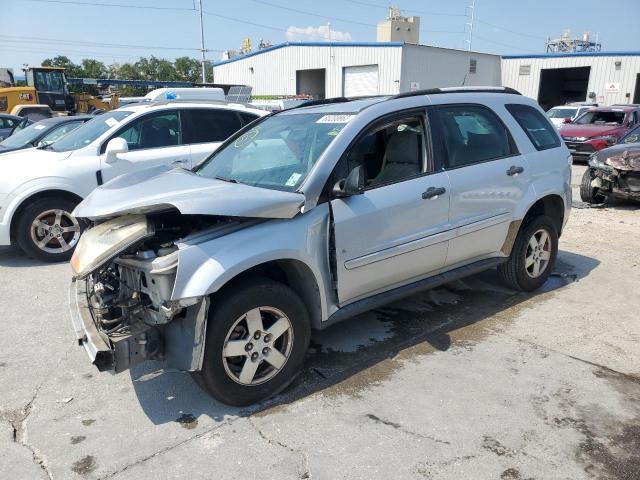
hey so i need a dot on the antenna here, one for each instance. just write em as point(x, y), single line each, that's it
point(471, 7)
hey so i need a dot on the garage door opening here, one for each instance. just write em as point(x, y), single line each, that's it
point(311, 82)
point(360, 81)
point(559, 86)
point(636, 95)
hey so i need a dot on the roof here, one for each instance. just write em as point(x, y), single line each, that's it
point(352, 106)
point(65, 118)
point(144, 106)
point(576, 54)
point(311, 44)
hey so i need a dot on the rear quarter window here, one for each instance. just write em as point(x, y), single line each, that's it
point(542, 134)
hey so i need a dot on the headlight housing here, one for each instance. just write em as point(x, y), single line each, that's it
point(101, 243)
point(594, 162)
point(603, 141)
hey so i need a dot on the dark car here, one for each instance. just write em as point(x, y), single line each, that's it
point(7, 124)
point(614, 171)
point(42, 133)
point(599, 128)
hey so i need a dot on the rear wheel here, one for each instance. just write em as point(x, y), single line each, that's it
point(533, 255)
point(257, 337)
point(47, 231)
point(588, 193)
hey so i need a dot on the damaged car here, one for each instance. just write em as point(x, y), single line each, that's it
point(308, 217)
point(614, 171)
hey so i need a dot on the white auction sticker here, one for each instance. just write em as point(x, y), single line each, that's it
point(112, 122)
point(293, 179)
point(335, 119)
point(40, 127)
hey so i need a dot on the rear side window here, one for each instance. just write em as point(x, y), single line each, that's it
point(473, 134)
point(541, 133)
point(206, 126)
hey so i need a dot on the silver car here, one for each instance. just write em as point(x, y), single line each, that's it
point(308, 217)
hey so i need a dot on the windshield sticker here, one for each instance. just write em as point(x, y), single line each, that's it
point(39, 127)
point(112, 122)
point(334, 131)
point(335, 119)
point(246, 139)
point(293, 179)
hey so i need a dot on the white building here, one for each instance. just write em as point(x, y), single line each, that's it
point(328, 69)
point(605, 78)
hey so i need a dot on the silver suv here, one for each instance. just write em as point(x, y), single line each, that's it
point(308, 217)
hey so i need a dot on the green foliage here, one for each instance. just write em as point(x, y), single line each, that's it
point(152, 68)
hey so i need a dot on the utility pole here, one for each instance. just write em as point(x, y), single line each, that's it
point(470, 24)
point(204, 70)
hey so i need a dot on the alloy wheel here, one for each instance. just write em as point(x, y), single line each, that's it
point(538, 253)
point(257, 346)
point(55, 231)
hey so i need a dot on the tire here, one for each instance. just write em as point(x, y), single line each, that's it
point(516, 273)
point(229, 378)
point(588, 193)
point(37, 223)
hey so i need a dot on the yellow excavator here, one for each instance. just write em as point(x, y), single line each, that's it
point(46, 95)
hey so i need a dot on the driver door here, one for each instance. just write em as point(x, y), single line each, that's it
point(154, 139)
point(396, 231)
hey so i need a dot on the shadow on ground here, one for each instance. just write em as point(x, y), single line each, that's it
point(348, 350)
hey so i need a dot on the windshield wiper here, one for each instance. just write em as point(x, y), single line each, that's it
point(225, 179)
point(45, 147)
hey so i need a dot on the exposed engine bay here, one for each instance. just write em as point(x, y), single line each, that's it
point(617, 173)
point(130, 296)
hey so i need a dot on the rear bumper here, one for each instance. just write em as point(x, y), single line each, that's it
point(97, 347)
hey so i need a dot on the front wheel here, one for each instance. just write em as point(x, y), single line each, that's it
point(588, 193)
point(533, 256)
point(47, 231)
point(257, 337)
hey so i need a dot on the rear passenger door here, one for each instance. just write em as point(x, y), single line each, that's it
point(488, 176)
point(207, 128)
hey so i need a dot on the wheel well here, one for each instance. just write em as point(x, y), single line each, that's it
point(293, 273)
point(72, 197)
point(551, 206)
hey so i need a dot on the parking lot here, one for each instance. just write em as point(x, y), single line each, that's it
point(471, 380)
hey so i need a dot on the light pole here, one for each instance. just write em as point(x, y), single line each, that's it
point(204, 71)
point(473, 16)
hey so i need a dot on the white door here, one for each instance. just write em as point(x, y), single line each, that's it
point(396, 231)
point(153, 139)
point(360, 81)
point(489, 178)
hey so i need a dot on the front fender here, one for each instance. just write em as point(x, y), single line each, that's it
point(206, 267)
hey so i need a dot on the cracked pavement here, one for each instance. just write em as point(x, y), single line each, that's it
point(471, 380)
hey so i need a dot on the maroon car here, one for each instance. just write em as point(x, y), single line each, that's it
point(599, 128)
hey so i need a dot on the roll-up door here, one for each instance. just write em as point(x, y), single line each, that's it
point(360, 80)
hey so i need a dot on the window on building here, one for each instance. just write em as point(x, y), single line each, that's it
point(525, 70)
point(473, 65)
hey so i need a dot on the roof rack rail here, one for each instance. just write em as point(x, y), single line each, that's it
point(325, 101)
point(189, 100)
point(436, 91)
point(626, 105)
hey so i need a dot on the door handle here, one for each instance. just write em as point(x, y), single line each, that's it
point(433, 192)
point(514, 170)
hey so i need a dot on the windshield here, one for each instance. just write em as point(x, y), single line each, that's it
point(88, 132)
point(24, 137)
point(601, 118)
point(277, 153)
point(632, 137)
point(561, 112)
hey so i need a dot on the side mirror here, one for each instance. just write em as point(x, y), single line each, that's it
point(115, 147)
point(566, 120)
point(352, 185)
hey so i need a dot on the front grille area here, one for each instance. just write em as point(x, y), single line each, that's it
point(580, 148)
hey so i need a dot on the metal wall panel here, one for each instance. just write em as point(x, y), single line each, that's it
point(432, 67)
point(603, 71)
point(274, 72)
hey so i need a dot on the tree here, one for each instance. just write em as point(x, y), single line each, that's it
point(93, 69)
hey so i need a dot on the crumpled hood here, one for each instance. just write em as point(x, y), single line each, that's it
point(161, 188)
point(590, 130)
point(622, 157)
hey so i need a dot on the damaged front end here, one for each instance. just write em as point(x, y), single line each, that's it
point(123, 309)
point(616, 172)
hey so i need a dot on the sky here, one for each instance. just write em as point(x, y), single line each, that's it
point(118, 31)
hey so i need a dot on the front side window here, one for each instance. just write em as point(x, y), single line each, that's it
point(473, 134)
point(277, 153)
point(153, 131)
point(49, 81)
point(211, 125)
point(538, 129)
point(390, 153)
point(90, 131)
point(601, 118)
